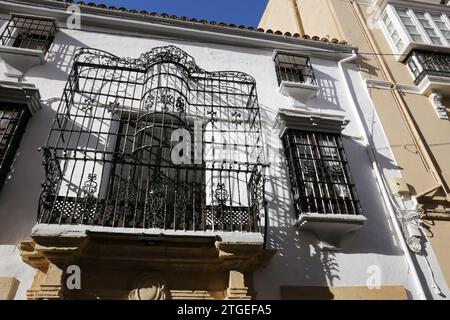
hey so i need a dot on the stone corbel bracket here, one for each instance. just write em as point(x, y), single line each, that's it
point(436, 102)
point(49, 263)
point(21, 93)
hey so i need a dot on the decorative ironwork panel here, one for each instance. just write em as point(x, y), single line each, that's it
point(118, 130)
point(29, 33)
point(319, 173)
point(423, 63)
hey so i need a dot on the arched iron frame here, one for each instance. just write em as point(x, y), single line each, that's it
point(107, 158)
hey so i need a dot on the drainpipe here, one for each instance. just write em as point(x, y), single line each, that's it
point(381, 183)
point(295, 13)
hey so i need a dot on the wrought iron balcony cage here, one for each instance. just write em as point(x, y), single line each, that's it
point(292, 68)
point(424, 63)
point(29, 32)
point(108, 159)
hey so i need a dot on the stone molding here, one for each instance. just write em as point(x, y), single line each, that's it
point(118, 266)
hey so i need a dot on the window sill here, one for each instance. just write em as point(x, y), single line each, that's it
point(330, 229)
point(54, 230)
point(19, 61)
point(301, 92)
point(431, 84)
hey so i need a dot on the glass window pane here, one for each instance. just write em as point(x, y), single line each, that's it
point(410, 25)
point(429, 28)
point(393, 33)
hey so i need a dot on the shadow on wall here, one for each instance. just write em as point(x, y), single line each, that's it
point(20, 195)
point(367, 66)
point(59, 58)
point(299, 259)
point(327, 98)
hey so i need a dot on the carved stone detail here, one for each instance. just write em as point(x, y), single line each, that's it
point(150, 288)
point(436, 101)
point(209, 269)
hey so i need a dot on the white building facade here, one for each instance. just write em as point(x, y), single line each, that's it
point(281, 185)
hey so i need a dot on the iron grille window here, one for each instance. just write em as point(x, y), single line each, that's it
point(29, 33)
point(423, 63)
point(108, 158)
point(319, 173)
point(296, 69)
point(13, 120)
point(145, 181)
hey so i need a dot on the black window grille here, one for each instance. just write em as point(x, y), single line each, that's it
point(319, 173)
point(13, 120)
point(297, 69)
point(423, 63)
point(108, 159)
point(29, 33)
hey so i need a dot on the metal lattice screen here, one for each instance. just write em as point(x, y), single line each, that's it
point(319, 173)
point(29, 32)
point(110, 154)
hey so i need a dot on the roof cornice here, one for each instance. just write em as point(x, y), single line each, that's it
point(124, 22)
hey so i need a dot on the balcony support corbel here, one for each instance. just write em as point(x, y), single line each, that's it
point(436, 102)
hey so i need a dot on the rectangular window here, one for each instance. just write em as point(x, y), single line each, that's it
point(13, 119)
point(441, 24)
point(33, 33)
point(319, 173)
point(393, 33)
point(410, 26)
point(296, 69)
point(428, 27)
point(404, 26)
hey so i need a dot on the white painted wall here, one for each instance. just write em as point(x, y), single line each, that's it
point(299, 260)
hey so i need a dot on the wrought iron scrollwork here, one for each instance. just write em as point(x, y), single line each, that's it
point(149, 102)
point(180, 105)
point(156, 55)
point(113, 107)
point(221, 194)
point(52, 179)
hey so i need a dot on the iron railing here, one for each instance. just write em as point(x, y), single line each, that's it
point(109, 158)
point(424, 63)
point(319, 174)
point(29, 32)
point(292, 68)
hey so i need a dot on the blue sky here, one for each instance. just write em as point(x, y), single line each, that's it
point(246, 12)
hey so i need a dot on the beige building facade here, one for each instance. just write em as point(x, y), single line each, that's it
point(403, 52)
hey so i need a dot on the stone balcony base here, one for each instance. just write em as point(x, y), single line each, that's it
point(127, 266)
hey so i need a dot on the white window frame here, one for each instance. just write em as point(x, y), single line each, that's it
point(399, 27)
point(418, 65)
point(431, 22)
point(394, 17)
point(446, 21)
